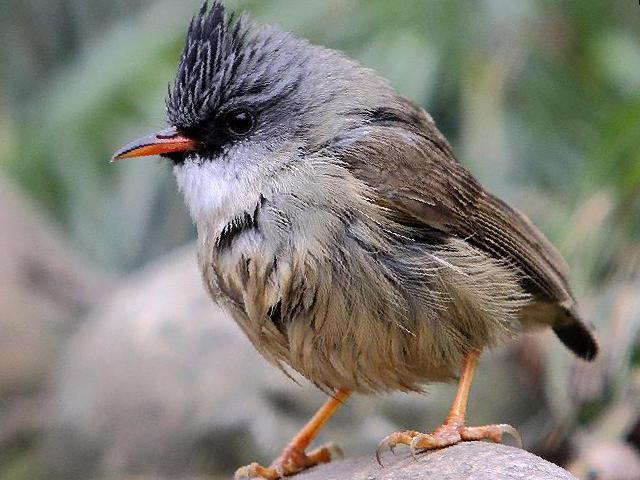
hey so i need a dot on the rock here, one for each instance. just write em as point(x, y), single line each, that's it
point(45, 292)
point(469, 460)
point(160, 381)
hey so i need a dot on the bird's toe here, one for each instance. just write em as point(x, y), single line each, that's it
point(491, 432)
point(392, 440)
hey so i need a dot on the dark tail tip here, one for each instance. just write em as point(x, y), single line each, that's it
point(579, 339)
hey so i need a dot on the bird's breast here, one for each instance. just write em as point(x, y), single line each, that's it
point(346, 306)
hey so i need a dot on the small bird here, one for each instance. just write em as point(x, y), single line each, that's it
point(337, 227)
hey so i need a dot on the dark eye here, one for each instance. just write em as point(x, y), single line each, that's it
point(239, 121)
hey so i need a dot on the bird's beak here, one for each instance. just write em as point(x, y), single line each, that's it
point(166, 141)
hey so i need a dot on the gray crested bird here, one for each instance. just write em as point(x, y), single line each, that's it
point(336, 226)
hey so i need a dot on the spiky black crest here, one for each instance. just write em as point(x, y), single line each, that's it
point(227, 59)
point(212, 52)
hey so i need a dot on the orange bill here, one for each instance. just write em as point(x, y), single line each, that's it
point(166, 141)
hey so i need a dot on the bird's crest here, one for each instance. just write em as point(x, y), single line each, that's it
point(212, 53)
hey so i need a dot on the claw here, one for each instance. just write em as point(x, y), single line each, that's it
point(380, 448)
point(392, 440)
point(509, 430)
point(413, 449)
point(386, 443)
point(333, 450)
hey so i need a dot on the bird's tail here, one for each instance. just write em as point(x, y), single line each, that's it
point(578, 338)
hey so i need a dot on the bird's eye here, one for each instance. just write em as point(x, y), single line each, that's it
point(239, 121)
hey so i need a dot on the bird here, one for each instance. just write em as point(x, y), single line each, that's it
point(337, 227)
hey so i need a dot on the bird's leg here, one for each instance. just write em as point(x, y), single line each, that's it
point(453, 430)
point(294, 459)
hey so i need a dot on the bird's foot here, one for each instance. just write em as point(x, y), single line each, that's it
point(292, 461)
point(451, 432)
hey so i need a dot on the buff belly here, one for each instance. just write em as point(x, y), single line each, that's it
point(380, 333)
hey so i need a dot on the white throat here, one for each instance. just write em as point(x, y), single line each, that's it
point(215, 191)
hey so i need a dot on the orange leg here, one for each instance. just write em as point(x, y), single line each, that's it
point(294, 459)
point(453, 430)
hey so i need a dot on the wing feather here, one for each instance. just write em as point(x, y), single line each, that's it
point(411, 169)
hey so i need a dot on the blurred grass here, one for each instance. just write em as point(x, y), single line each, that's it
point(541, 100)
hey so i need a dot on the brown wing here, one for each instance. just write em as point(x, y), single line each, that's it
point(412, 168)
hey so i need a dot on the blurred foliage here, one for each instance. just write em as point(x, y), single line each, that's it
point(541, 100)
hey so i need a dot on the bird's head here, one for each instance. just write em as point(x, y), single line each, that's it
point(248, 102)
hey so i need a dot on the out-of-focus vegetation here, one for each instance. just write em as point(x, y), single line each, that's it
point(541, 100)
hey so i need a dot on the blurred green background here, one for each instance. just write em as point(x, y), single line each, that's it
point(540, 99)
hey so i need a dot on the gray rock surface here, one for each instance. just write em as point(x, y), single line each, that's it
point(469, 460)
point(45, 291)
